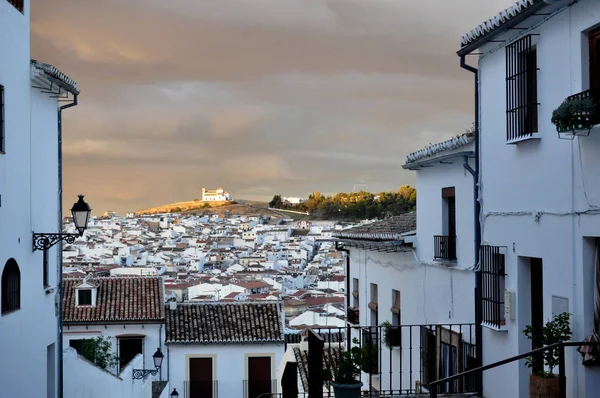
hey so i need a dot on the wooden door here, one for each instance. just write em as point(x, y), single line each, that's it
point(201, 378)
point(259, 376)
point(537, 308)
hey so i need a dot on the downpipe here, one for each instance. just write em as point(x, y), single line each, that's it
point(59, 283)
point(475, 172)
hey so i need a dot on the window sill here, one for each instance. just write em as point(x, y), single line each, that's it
point(10, 311)
point(529, 137)
point(501, 328)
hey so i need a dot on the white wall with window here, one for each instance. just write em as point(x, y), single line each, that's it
point(539, 193)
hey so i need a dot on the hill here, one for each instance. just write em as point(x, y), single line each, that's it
point(248, 208)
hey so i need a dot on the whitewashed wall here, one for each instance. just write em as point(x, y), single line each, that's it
point(430, 181)
point(230, 364)
point(549, 176)
point(84, 379)
point(154, 337)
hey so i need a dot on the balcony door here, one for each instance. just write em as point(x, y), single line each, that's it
point(201, 378)
point(449, 200)
point(259, 376)
point(595, 58)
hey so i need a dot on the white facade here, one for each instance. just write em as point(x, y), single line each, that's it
point(217, 195)
point(540, 196)
point(293, 200)
point(229, 361)
point(29, 202)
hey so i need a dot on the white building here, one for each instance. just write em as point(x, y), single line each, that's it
point(426, 301)
point(293, 200)
point(216, 195)
point(128, 311)
point(224, 350)
point(30, 189)
point(539, 194)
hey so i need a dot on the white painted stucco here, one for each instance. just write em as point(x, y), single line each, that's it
point(537, 196)
point(229, 364)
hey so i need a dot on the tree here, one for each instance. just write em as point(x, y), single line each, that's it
point(99, 351)
point(276, 203)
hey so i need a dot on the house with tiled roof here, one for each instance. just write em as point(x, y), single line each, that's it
point(129, 311)
point(227, 349)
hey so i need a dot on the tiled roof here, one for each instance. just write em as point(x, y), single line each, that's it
point(55, 73)
point(119, 299)
point(497, 21)
point(389, 229)
point(435, 149)
point(331, 359)
point(224, 323)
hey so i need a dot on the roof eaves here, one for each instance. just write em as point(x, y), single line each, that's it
point(54, 74)
point(499, 23)
point(435, 149)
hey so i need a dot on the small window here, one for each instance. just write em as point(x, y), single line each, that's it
point(396, 309)
point(521, 89)
point(492, 292)
point(84, 296)
point(355, 291)
point(11, 287)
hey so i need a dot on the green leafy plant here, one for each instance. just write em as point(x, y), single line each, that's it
point(555, 331)
point(392, 335)
point(99, 351)
point(574, 114)
point(352, 362)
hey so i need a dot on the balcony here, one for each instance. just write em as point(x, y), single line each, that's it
point(444, 247)
point(260, 388)
point(18, 4)
point(352, 317)
point(201, 389)
point(594, 118)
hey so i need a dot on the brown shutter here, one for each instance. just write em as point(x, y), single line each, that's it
point(373, 303)
point(448, 192)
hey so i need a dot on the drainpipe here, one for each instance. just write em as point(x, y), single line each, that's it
point(59, 283)
point(347, 251)
point(477, 230)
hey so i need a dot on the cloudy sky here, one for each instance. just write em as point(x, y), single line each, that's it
point(258, 96)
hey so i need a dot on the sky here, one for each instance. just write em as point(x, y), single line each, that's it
point(261, 97)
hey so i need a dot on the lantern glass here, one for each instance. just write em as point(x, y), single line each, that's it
point(81, 214)
point(174, 394)
point(158, 358)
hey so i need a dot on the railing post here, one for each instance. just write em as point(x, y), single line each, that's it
point(432, 391)
point(561, 372)
point(289, 381)
point(316, 344)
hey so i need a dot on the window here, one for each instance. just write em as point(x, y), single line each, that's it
point(1, 118)
point(521, 89)
point(396, 311)
point(18, 4)
point(373, 304)
point(594, 37)
point(492, 291)
point(84, 296)
point(11, 287)
point(128, 348)
point(355, 291)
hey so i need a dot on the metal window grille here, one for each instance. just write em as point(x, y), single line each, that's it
point(493, 278)
point(11, 287)
point(18, 4)
point(521, 89)
point(1, 118)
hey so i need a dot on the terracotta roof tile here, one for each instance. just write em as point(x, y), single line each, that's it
point(119, 299)
point(224, 323)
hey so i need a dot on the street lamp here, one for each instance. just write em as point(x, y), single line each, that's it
point(157, 358)
point(81, 215)
point(174, 394)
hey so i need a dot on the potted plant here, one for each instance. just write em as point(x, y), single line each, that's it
point(392, 335)
point(574, 115)
point(346, 383)
point(545, 383)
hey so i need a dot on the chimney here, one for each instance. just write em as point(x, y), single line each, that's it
point(173, 305)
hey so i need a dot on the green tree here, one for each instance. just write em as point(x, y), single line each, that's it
point(99, 351)
point(276, 202)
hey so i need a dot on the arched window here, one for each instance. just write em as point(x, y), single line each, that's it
point(11, 286)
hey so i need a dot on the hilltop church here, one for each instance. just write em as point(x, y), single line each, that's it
point(216, 195)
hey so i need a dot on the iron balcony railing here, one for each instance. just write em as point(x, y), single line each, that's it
point(594, 94)
point(444, 247)
point(18, 4)
point(259, 388)
point(201, 389)
point(398, 360)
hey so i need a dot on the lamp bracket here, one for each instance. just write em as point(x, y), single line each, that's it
point(141, 373)
point(43, 241)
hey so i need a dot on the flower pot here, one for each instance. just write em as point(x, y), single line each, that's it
point(544, 387)
point(347, 390)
